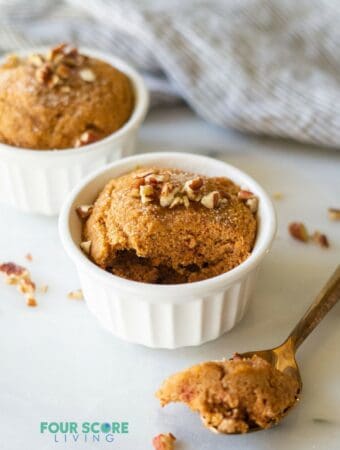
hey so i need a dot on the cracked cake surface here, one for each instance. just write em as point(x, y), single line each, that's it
point(62, 99)
point(233, 396)
point(169, 226)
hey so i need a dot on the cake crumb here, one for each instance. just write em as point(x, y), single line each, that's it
point(31, 301)
point(29, 257)
point(164, 442)
point(75, 295)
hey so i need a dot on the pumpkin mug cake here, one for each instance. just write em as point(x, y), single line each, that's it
point(62, 99)
point(167, 246)
point(63, 113)
point(169, 226)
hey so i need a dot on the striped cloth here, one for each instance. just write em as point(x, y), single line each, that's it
point(264, 66)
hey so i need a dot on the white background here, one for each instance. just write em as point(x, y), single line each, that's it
point(57, 364)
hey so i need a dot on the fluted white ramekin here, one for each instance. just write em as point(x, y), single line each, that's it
point(167, 316)
point(38, 181)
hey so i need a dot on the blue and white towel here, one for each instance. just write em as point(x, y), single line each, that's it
point(264, 66)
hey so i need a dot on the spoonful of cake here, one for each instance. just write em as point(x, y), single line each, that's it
point(254, 390)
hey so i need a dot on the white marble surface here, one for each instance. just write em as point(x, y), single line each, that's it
point(57, 364)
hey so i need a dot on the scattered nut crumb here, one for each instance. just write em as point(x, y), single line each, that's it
point(43, 288)
point(334, 213)
point(19, 276)
point(76, 295)
point(320, 239)
point(277, 196)
point(298, 231)
point(29, 257)
point(164, 442)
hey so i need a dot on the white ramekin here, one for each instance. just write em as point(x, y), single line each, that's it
point(38, 181)
point(167, 316)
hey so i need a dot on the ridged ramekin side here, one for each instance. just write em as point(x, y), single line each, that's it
point(39, 183)
point(170, 324)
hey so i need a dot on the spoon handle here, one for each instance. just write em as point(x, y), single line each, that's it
point(327, 298)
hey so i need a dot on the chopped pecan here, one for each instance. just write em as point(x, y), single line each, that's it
point(86, 246)
point(53, 81)
point(167, 195)
point(13, 269)
point(137, 183)
point(195, 184)
point(192, 188)
point(26, 286)
point(176, 201)
point(20, 277)
point(135, 193)
point(144, 174)
point(63, 71)
point(75, 295)
point(245, 195)
point(334, 213)
point(44, 73)
point(320, 239)
point(36, 60)
point(298, 231)
point(211, 200)
point(70, 52)
point(11, 61)
point(146, 193)
point(253, 204)
point(250, 199)
point(88, 137)
point(154, 179)
point(84, 211)
point(186, 201)
point(56, 52)
point(87, 75)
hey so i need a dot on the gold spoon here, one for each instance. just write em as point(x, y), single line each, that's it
point(283, 356)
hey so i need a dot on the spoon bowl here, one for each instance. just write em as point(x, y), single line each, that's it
point(283, 356)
